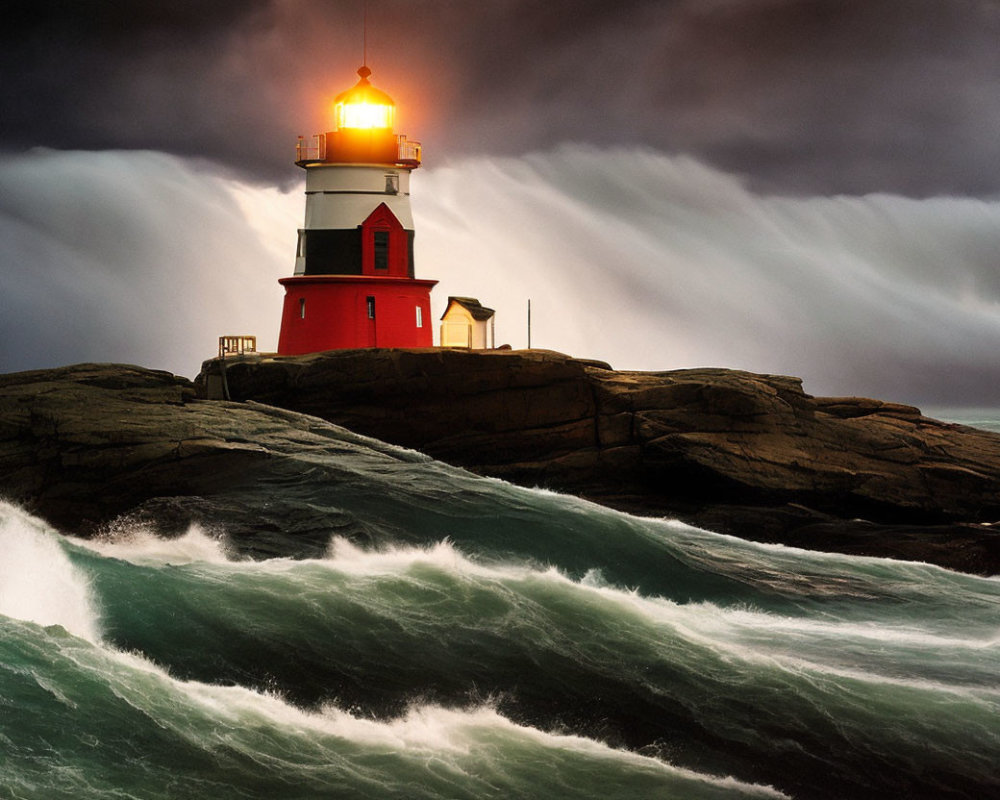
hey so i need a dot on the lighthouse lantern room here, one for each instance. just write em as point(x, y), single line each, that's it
point(354, 283)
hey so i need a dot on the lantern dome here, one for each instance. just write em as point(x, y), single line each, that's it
point(363, 106)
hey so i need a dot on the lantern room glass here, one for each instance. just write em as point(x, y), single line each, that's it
point(362, 115)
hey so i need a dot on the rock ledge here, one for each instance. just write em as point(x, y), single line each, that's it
point(741, 453)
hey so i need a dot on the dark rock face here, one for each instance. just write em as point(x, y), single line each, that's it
point(752, 455)
point(82, 445)
point(85, 443)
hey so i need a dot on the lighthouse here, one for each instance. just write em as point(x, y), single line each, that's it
point(354, 283)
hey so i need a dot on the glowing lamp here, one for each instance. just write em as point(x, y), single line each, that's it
point(363, 107)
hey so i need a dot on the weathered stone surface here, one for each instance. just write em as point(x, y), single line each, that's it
point(751, 455)
point(707, 434)
point(689, 443)
point(82, 445)
point(514, 407)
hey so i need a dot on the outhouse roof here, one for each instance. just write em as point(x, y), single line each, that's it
point(473, 306)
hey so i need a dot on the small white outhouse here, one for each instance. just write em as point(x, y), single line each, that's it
point(467, 323)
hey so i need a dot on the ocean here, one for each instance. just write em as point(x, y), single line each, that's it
point(442, 635)
point(986, 418)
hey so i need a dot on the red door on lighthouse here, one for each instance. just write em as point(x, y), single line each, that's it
point(372, 332)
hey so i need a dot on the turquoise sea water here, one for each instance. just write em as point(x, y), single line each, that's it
point(458, 637)
point(986, 418)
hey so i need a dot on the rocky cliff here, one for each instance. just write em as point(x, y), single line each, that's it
point(90, 445)
point(752, 455)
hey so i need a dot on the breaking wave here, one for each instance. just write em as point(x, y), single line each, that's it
point(454, 668)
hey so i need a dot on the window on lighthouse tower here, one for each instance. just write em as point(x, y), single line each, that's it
point(381, 250)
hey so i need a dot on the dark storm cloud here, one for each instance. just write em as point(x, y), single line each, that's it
point(157, 75)
point(799, 95)
point(805, 96)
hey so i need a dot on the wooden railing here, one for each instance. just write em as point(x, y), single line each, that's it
point(237, 345)
point(408, 152)
point(314, 151)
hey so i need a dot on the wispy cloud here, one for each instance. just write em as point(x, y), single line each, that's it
point(645, 260)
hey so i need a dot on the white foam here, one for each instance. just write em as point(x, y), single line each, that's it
point(350, 559)
point(459, 731)
point(138, 545)
point(37, 581)
point(825, 645)
point(466, 742)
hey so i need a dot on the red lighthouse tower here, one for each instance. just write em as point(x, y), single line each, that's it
point(354, 283)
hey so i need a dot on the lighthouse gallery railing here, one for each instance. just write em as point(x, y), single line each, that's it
point(314, 149)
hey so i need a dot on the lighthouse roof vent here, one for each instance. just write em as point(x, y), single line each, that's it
point(363, 106)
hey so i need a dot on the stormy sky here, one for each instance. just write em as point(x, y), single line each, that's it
point(800, 96)
point(800, 186)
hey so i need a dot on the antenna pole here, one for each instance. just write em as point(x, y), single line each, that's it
point(529, 323)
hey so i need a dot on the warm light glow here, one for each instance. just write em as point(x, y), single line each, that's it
point(362, 115)
point(363, 107)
